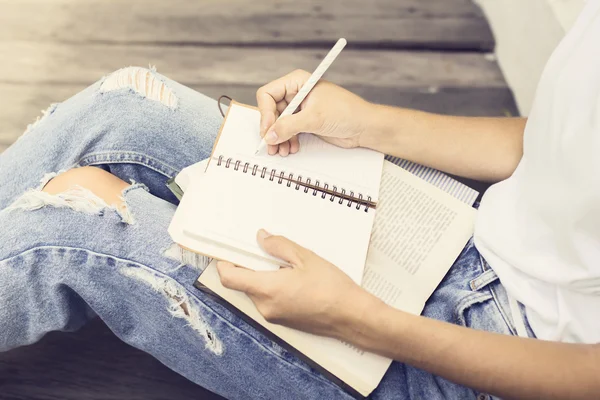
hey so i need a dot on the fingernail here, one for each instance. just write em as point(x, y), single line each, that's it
point(271, 137)
point(262, 234)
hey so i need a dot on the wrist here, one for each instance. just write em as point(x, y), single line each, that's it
point(386, 127)
point(395, 131)
point(358, 320)
point(372, 131)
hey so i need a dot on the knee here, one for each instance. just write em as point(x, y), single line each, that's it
point(143, 81)
point(102, 184)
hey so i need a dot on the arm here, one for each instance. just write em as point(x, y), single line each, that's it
point(315, 296)
point(486, 149)
point(478, 148)
point(506, 366)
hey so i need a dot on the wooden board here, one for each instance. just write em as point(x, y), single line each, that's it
point(91, 364)
point(425, 24)
point(445, 82)
point(67, 63)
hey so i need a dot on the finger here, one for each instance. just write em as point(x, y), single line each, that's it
point(281, 106)
point(294, 144)
point(272, 149)
point(237, 278)
point(267, 107)
point(280, 247)
point(274, 92)
point(287, 86)
point(289, 126)
point(267, 118)
point(277, 91)
point(284, 149)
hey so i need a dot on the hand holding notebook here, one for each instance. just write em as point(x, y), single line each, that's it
point(313, 294)
point(321, 198)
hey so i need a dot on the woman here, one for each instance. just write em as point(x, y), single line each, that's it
point(85, 242)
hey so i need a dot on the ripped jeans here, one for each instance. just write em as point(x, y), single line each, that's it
point(66, 260)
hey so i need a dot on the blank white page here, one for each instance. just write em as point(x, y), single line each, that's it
point(228, 207)
point(357, 170)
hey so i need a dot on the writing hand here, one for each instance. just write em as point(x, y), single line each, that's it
point(329, 111)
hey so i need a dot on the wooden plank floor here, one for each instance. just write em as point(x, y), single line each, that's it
point(431, 24)
point(433, 55)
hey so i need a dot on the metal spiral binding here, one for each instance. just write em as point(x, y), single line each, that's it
point(307, 184)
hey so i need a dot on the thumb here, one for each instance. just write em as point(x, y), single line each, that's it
point(286, 127)
point(238, 278)
point(281, 247)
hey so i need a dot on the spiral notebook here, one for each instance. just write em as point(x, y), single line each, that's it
point(421, 221)
point(323, 197)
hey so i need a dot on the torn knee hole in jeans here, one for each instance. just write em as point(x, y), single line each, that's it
point(179, 304)
point(143, 81)
point(76, 198)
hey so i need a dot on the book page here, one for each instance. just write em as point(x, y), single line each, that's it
point(437, 178)
point(359, 369)
point(418, 232)
point(357, 170)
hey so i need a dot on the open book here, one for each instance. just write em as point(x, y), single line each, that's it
point(419, 230)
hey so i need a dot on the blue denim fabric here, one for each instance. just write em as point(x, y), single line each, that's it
point(60, 267)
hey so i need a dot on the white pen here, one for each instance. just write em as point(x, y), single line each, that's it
point(312, 81)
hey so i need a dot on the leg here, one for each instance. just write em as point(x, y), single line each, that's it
point(72, 253)
point(134, 123)
point(105, 186)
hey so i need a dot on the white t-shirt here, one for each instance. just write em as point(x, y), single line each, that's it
point(540, 229)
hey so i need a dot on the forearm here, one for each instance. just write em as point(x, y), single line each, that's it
point(486, 149)
point(507, 366)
